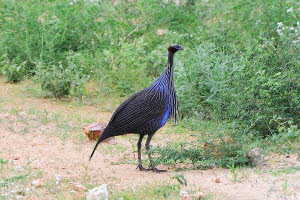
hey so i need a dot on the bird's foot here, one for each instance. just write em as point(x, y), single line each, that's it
point(154, 169)
point(142, 168)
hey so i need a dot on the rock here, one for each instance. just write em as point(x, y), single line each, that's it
point(57, 179)
point(98, 193)
point(217, 180)
point(198, 195)
point(186, 197)
point(161, 31)
point(183, 193)
point(94, 130)
point(255, 156)
point(72, 191)
point(19, 168)
point(100, 19)
point(36, 183)
point(77, 187)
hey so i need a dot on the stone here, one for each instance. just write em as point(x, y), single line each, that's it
point(255, 156)
point(100, 19)
point(94, 130)
point(198, 195)
point(217, 180)
point(186, 197)
point(183, 193)
point(57, 179)
point(77, 187)
point(36, 183)
point(161, 31)
point(98, 193)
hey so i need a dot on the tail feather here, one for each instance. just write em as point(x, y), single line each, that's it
point(106, 134)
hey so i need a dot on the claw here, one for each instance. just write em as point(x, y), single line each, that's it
point(154, 169)
point(142, 168)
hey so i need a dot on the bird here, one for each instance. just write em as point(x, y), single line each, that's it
point(146, 111)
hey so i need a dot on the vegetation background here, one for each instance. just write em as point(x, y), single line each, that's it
point(238, 79)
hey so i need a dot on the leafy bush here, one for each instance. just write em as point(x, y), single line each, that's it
point(14, 73)
point(211, 84)
point(59, 80)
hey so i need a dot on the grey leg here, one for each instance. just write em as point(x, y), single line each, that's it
point(151, 166)
point(139, 145)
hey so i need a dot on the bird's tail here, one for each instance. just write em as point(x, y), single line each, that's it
point(106, 134)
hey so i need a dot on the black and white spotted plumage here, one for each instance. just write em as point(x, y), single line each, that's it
point(148, 110)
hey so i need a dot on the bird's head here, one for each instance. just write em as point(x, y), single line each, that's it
point(174, 48)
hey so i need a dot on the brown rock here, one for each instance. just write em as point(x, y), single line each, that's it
point(217, 180)
point(161, 31)
point(198, 195)
point(99, 19)
point(186, 197)
point(94, 130)
point(37, 183)
point(255, 156)
point(77, 187)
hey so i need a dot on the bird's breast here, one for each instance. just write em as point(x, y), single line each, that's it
point(165, 116)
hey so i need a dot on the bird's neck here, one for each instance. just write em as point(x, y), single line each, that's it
point(170, 63)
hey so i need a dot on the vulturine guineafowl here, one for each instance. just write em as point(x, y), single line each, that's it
point(146, 111)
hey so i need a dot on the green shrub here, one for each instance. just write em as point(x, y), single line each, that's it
point(60, 80)
point(14, 73)
point(210, 85)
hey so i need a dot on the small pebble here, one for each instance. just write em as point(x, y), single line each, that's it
point(57, 179)
point(36, 183)
point(183, 193)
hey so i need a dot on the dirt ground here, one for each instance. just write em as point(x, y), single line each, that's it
point(31, 141)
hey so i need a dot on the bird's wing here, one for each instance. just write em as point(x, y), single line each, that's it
point(124, 104)
point(136, 111)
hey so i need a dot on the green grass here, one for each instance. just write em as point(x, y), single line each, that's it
point(13, 179)
point(3, 161)
point(280, 172)
point(166, 191)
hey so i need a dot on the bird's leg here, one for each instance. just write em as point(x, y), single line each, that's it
point(139, 145)
point(151, 166)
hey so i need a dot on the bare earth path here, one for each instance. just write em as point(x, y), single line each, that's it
point(32, 139)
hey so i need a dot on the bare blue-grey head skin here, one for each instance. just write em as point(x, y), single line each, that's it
point(146, 111)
